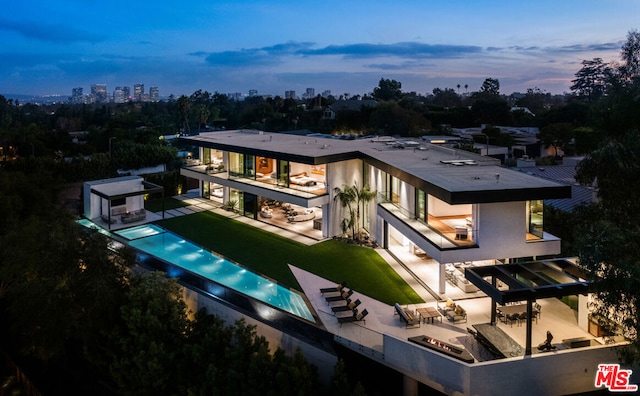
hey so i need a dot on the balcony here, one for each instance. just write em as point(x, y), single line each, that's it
point(442, 232)
point(306, 194)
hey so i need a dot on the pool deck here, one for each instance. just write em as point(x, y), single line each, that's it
point(419, 274)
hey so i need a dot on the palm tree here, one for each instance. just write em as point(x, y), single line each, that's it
point(352, 198)
point(347, 196)
point(458, 89)
point(363, 196)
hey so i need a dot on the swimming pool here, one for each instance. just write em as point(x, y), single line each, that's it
point(172, 248)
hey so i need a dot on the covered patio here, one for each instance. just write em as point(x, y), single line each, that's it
point(119, 202)
point(526, 283)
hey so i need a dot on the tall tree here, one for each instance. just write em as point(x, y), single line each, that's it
point(592, 80)
point(630, 68)
point(387, 90)
point(151, 340)
point(490, 86)
point(607, 236)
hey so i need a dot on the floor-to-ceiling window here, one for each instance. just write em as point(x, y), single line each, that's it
point(237, 197)
point(249, 166)
point(206, 156)
point(236, 164)
point(249, 206)
point(535, 220)
point(421, 205)
point(395, 190)
point(206, 192)
point(283, 173)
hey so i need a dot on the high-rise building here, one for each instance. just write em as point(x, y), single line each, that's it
point(290, 94)
point(154, 94)
point(310, 93)
point(126, 91)
point(118, 95)
point(77, 96)
point(237, 96)
point(99, 93)
point(326, 93)
point(253, 92)
point(138, 91)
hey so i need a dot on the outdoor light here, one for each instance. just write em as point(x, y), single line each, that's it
point(497, 177)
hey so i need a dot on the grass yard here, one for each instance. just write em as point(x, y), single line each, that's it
point(266, 253)
point(169, 203)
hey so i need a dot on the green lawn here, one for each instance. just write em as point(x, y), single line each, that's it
point(266, 253)
point(169, 203)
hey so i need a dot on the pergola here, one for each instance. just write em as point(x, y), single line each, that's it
point(149, 188)
point(528, 282)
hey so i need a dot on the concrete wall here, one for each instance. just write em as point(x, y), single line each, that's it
point(558, 373)
point(324, 360)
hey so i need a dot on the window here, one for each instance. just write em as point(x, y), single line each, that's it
point(421, 205)
point(535, 219)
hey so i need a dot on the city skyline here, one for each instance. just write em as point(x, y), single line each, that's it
point(278, 46)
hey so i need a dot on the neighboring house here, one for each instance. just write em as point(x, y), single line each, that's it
point(338, 106)
point(565, 174)
point(453, 205)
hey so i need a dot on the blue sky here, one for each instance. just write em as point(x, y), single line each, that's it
point(49, 47)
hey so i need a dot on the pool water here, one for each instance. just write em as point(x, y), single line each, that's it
point(174, 249)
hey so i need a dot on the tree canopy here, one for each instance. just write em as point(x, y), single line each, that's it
point(607, 235)
point(388, 90)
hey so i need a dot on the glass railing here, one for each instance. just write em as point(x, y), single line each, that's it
point(445, 234)
point(307, 186)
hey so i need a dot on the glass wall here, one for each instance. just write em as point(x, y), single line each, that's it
point(236, 164)
point(535, 219)
point(421, 205)
point(283, 173)
point(249, 165)
point(395, 190)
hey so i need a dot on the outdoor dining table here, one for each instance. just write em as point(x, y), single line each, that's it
point(429, 314)
point(513, 309)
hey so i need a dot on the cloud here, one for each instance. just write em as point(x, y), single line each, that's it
point(52, 33)
point(278, 52)
point(411, 50)
point(255, 56)
point(408, 51)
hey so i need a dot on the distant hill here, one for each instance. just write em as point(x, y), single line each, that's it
point(36, 99)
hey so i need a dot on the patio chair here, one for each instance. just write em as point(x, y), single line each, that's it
point(343, 296)
point(511, 318)
point(337, 288)
point(522, 318)
point(355, 318)
point(538, 308)
point(350, 306)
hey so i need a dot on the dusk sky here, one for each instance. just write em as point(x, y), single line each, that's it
point(50, 47)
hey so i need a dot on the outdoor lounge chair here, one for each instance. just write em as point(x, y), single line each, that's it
point(337, 288)
point(348, 307)
point(343, 296)
point(355, 318)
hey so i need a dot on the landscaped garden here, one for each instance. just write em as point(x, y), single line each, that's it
point(269, 254)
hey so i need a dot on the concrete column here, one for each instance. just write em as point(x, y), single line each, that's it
point(442, 279)
point(410, 386)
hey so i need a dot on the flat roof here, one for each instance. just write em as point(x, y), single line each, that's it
point(455, 176)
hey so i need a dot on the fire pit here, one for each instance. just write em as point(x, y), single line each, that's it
point(443, 347)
